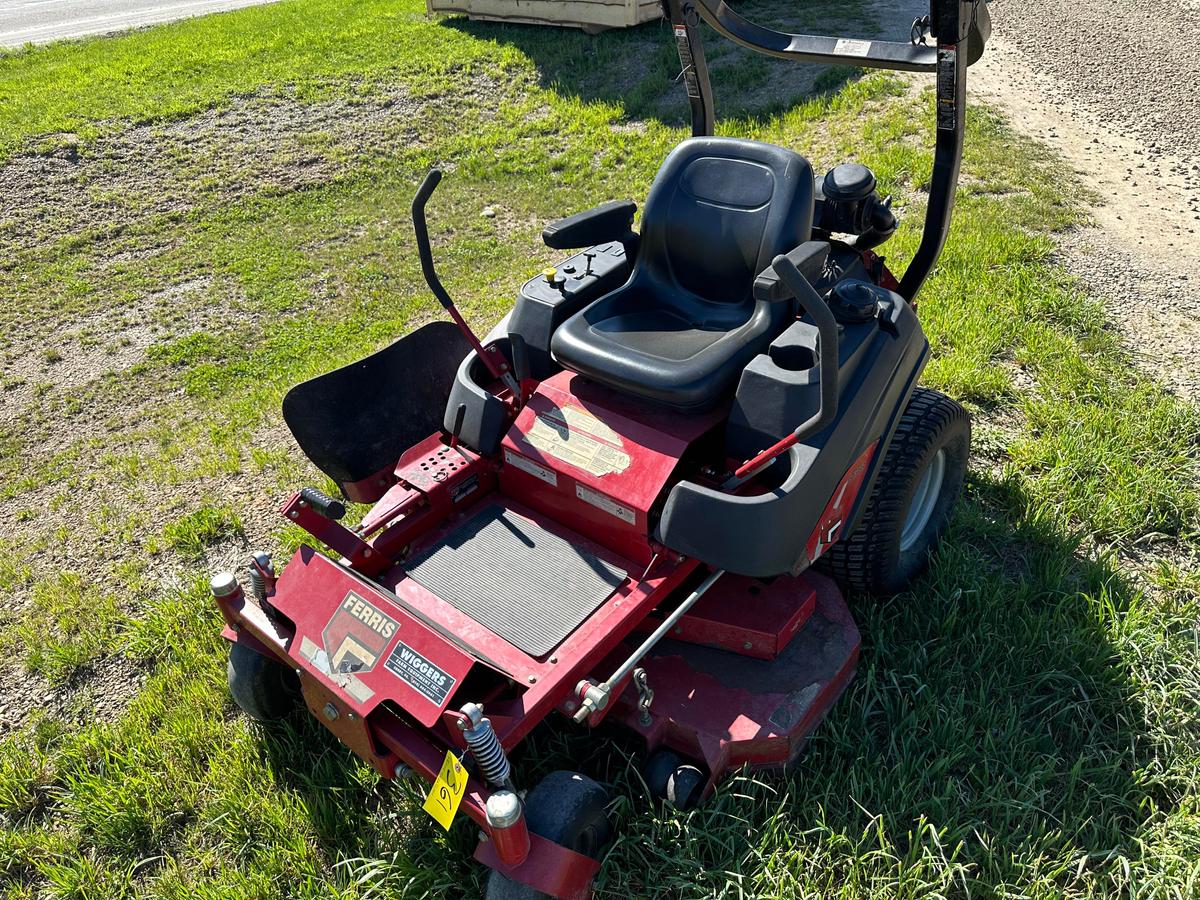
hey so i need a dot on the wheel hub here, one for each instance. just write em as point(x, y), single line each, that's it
point(924, 501)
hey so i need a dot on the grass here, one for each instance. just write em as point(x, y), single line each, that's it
point(1023, 722)
point(195, 532)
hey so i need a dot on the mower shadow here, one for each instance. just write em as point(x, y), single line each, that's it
point(990, 723)
point(371, 828)
point(637, 68)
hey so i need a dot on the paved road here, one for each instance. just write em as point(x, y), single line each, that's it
point(41, 21)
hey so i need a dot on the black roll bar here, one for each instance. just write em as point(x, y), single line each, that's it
point(957, 25)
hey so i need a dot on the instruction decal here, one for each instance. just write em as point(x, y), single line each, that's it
point(577, 437)
point(947, 90)
point(686, 62)
point(603, 502)
point(427, 679)
point(850, 47)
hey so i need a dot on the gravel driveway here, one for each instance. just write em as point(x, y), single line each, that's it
point(1135, 65)
point(1115, 89)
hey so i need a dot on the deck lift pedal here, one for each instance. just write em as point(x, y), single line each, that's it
point(611, 508)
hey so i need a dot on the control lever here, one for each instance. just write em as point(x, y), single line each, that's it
point(489, 355)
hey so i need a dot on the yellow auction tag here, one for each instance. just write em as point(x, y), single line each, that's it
point(447, 791)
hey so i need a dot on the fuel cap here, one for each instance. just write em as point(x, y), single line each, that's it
point(856, 301)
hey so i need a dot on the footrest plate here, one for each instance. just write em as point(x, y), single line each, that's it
point(520, 581)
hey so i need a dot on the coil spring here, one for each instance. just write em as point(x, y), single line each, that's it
point(257, 586)
point(489, 755)
point(260, 564)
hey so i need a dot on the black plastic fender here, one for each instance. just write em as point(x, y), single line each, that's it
point(763, 535)
point(355, 421)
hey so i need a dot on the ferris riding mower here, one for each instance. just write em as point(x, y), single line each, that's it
point(634, 502)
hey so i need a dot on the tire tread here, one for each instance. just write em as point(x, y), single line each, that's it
point(859, 561)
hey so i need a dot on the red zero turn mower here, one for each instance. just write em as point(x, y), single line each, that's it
point(611, 509)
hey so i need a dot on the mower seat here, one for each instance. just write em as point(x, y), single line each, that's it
point(685, 324)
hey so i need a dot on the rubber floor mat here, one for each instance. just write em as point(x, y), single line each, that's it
point(527, 585)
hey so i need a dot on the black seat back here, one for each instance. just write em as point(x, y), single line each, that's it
point(685, 324)
point(719, 211)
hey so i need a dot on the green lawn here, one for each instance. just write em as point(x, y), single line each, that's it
point(201, 214)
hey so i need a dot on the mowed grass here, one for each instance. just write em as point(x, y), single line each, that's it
point(1024, 721)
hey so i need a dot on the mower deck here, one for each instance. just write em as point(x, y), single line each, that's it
point(730, 710)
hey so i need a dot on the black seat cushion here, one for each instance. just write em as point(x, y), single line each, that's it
point(682, 328)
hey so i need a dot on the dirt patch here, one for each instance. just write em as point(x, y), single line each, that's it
point(76, 387)
point(1115, 98)
point(259, 144)
point(101, 690)
point(98, 692)
point(116, 197)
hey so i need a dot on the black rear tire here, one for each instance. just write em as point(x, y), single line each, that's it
point(904, 519)
point(569, 809)
point(264, 688)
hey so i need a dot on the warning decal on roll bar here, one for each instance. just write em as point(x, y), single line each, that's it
point(947, 90)
point(686, 62)
point(849, 47)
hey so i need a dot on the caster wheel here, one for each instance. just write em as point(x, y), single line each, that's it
point(914, 495)
point(684, 787)
point(669, 778)
point(569, 809)
point(265, 689)
point(657, 772)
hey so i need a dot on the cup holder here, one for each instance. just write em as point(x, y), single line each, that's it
point(793, 357)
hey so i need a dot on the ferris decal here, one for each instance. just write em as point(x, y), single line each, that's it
point(357, 635)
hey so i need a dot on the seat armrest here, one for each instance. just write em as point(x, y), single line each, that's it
point(607, 222)
point(809, 258)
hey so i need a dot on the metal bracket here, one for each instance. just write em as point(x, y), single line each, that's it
point(645, 696)
point(360, 555)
